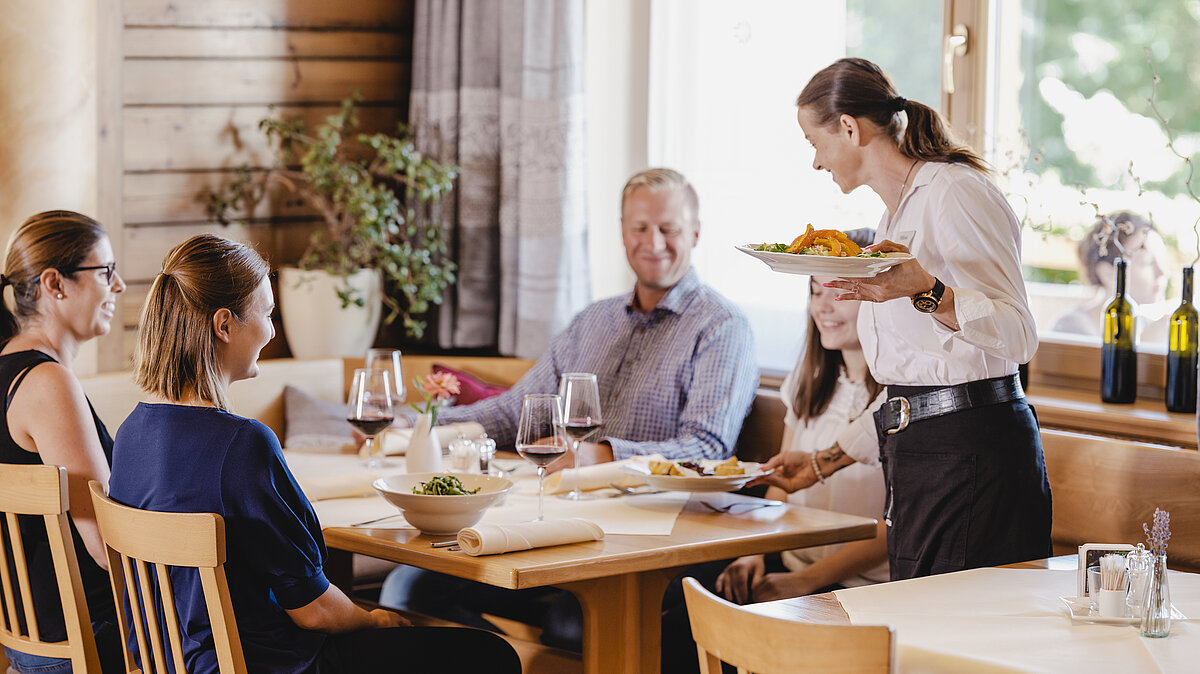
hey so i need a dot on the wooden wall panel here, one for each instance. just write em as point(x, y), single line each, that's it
point(225, 137)
point(260, 82)
point(175, 197)
point(392, 14)
point(222, 43)
point(195, 79)
point(147, 245)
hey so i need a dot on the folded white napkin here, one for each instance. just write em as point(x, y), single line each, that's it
point(491, 539)
point(344, 485)
point(395, 441)
point(599, 475)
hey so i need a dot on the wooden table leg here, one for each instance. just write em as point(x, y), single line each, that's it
point(622, 620)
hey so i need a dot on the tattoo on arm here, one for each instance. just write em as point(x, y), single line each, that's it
point(832, 455)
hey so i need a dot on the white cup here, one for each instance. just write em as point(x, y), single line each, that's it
point(1112, 604)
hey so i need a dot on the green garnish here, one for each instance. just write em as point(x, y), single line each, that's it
point(872, 255)
point(773, 248)
point(444, 485)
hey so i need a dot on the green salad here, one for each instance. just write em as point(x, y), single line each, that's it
point(444, 485)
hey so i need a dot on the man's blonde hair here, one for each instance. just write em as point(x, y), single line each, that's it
point(176, 347)
point(663, 179)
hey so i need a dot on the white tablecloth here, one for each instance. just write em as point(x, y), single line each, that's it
point(1011, 620)
point(646, 514)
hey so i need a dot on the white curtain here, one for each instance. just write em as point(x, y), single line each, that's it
point(498, 90)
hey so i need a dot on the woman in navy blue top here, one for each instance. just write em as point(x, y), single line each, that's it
point(207, 317)
point(64, 283)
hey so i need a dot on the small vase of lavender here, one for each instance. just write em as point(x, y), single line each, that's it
point(1156, 611)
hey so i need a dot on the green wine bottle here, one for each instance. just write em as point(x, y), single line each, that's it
point(1181, 352)
point(1118, 359)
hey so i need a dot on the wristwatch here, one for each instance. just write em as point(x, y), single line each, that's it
point(928, 301)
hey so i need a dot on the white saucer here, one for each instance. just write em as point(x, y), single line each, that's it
point(1081, 611)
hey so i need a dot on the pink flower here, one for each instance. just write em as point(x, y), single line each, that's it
point(441, 385)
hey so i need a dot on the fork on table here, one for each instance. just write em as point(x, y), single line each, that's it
point(747, 505)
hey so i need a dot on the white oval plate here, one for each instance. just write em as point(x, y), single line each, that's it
point(704, 483)
point(823, 265)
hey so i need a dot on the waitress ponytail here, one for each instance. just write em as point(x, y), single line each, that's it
point(859, 88)
point(927, 138)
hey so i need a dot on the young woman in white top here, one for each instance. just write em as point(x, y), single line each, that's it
point(829, 387)
point(960, 446)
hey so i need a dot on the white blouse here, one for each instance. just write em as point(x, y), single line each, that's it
point(856, 489)
point(962, 230)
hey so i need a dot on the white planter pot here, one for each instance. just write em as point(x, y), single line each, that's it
point(314, 321)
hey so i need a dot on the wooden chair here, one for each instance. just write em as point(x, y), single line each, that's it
point(137, 539)
point(768, 645)
point(42, 490)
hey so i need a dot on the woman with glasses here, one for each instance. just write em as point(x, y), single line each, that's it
point(64, 284)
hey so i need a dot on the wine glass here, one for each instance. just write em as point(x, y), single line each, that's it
point(539, 436)
point(369, 409)
point(389, 359)
point(581, 414)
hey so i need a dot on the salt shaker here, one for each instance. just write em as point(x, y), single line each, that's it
point(1137, 568)
point(487, 449)
point(464, 456)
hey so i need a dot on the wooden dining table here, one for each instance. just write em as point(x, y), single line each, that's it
point(620, 580)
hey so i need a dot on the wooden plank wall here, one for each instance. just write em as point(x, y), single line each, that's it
point(196, 77)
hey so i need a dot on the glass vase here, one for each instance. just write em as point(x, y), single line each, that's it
point(1156, 611)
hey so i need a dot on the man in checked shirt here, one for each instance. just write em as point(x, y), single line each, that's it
point(674, 360)
point(675, 364)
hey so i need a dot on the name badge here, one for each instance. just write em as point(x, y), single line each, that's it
point(905, 238)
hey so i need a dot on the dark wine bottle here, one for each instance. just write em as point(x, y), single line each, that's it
point(1118, 359)
point(1181, 352)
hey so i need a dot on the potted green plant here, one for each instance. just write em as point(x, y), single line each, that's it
point(375, 193)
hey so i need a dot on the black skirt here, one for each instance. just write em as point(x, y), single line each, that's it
point(965, 490)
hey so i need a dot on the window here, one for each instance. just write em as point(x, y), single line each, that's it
point(723, 82)
point(1073, 136)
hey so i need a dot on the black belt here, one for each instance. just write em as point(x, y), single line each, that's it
point(898, 412)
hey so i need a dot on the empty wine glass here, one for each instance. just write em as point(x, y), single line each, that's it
point(389, 359)
point(539, 436)
point(581, 414)
point(369, 409)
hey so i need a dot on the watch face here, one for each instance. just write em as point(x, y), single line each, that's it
point(925, 304)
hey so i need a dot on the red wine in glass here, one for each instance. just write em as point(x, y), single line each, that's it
point(579, 429)
point(371, 425)
point(369, 408)
point(541, 455)
point(539, 435)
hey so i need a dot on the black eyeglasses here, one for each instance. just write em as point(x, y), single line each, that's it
point(109, 270)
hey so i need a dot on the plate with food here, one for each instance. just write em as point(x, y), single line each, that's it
point(701, 475)
point(823, 252)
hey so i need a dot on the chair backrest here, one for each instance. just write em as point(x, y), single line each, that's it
point(42, 491)
point(140, 539)
point(770, 645)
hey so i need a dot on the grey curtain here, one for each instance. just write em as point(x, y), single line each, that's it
point(498, 90)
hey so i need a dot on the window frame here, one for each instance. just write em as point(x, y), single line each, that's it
point(1060, 362)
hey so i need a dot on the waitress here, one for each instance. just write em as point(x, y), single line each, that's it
point(960, 446)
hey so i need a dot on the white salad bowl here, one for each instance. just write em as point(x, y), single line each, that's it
point(440, 515)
